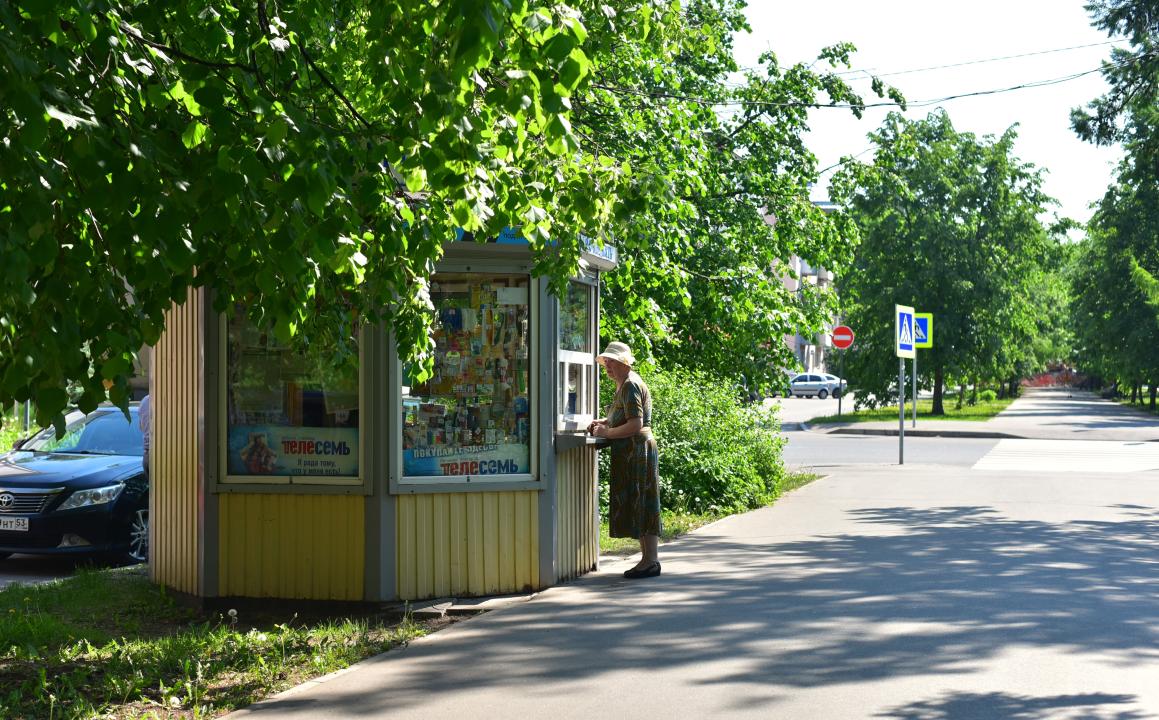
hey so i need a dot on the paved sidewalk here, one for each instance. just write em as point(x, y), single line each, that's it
point(1040, 414)
point(878, 592)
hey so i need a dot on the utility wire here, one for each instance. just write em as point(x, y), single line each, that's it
point(976, 62)
point(909, 104)
point(964, 63)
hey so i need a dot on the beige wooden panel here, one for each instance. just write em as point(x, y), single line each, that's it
point(507, 540)
point(463, 544)
point(424, 545)
point(578, 534)
point(475, 584)
point(307, 547)
point(459, 546)
point(522, 557)
point(441, 544)
point(407, 571)
point(491, 582)
point(176, 449)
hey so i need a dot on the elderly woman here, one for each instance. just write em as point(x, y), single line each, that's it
point(635, 484)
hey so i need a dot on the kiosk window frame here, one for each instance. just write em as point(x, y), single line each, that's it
point(578, 365)
point(401, 403)
point(284, 482)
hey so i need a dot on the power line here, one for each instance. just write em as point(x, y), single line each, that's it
point(964, 63)
point(977, 62)
point(909, 104)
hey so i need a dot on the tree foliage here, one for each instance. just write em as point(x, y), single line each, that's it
point(305, 159)
point(732, 203)
point(1115, 291)
point(949, 225)
point(308, 160)
point(1116, 294)
point(1132, 73)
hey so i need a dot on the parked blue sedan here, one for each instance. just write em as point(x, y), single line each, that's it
point(83, 493)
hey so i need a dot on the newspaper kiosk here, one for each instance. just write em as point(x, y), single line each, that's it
point(277, 475)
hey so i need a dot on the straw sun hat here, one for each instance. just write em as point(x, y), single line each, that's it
point(619, 352)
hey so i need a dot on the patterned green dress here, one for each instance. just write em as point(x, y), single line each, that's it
point(634, 502)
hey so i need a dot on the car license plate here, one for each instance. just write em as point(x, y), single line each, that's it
point(19, 524)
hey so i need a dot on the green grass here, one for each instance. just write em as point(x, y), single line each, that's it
point(111, 644)
point(1144, 406)
point(9, 432)
point(973, 413)
point(675, 523)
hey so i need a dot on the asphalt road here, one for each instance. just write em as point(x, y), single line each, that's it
point(812, 449)
point(1008, 579)
point(797, 410)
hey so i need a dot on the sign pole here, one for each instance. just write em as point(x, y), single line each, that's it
point(923, 338)
point(840, 392)
point(904, 342)
point(915, 381)
point(901, 411)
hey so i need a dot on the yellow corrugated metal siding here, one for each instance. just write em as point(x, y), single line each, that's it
point(479, 543)
point(308, 547)
point(176, 449)
point(576, 499)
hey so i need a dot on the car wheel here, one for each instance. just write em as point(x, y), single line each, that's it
point(138, 551)
point(823, 394)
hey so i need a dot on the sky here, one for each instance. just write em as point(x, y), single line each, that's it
point(893, 36)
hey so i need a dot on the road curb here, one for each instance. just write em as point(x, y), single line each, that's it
point(982, 434)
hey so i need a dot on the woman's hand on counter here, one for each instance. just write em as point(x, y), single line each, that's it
point(628, 429)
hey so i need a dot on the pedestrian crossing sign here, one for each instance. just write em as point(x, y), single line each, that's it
point(923, 330)
point(905, 331)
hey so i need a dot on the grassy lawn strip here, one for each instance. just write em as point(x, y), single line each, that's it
point(1144, 407)
point(980, 412)
point(676, 523)
point(110, 644)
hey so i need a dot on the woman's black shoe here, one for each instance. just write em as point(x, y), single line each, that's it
point(647, 571)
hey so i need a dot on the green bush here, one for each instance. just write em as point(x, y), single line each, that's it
point(987, 396)
point(717, 455)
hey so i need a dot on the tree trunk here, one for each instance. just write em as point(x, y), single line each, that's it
point(1134, 393)
point(938, 381)
point(1013, 393)
point(974, 393)
point(961, 394)
point(1153, 389)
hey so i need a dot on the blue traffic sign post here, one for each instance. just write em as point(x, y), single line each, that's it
point(923, 338)
point(904, 348)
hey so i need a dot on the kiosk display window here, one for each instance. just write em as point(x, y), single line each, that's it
point(577, 365)
point(291, 414)
point(472, 417)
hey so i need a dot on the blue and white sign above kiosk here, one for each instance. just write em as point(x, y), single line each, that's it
point(904, 334)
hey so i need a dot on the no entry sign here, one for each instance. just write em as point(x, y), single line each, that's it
point(842, 337)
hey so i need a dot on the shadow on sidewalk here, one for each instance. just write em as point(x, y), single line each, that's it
point(921, 591)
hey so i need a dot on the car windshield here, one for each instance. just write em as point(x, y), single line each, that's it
point(102, 432)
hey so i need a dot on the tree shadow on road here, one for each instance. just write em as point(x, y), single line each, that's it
point(917, 592)
point(987, 706)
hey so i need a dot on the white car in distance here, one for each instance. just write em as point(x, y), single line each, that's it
point(820, 384)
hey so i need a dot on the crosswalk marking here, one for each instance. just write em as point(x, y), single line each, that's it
point(1054, 456)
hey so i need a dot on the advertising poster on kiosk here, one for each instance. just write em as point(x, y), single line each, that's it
point(277, 450)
